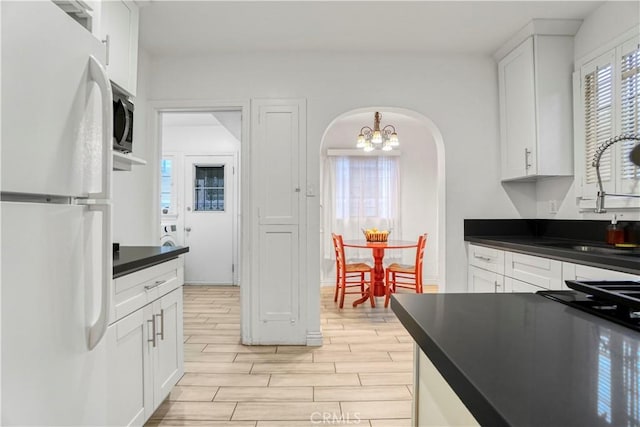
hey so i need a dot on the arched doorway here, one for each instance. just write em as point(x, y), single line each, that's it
point(422, 183)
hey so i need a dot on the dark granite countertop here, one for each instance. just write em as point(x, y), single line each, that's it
point(628, 263)
point(524, 360)
point(133, 258)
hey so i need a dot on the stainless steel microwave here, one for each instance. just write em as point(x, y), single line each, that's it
point(122, 121)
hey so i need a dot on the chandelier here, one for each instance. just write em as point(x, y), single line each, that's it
point(376, 138)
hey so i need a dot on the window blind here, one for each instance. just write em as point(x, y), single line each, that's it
point(629, 109)
point(598, 104)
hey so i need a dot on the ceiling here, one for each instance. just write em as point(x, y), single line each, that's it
point(454, 27)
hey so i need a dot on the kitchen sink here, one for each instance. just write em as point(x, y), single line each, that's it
point(596, 249)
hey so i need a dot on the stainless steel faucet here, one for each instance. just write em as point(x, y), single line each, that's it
point(634, 156)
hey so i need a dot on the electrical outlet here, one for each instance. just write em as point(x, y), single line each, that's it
point(553, 206)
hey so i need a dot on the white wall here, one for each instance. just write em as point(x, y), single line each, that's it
point(458, 93)
point(419, 186)
point(134, 220)
point(198, 140)
point(604, 25)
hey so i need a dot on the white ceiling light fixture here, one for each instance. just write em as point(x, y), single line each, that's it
point(381, 139)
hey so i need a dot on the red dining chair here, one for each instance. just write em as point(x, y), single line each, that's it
point(405, 276)
point(350, 276)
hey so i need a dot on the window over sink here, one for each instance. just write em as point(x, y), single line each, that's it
point(608, 104)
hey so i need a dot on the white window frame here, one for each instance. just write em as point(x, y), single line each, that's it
point(586, 193)
point(173, 214)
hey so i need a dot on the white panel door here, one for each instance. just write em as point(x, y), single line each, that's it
point(279, 291)
point(51, 112)
point(209, 219)
point(277, 151)
point(278, 287)
point(51, 290)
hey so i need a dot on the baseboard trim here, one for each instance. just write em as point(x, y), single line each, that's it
point(314, 339)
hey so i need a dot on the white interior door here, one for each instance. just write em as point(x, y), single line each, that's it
point(209, 226)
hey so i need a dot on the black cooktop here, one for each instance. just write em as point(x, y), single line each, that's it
point(618, 301)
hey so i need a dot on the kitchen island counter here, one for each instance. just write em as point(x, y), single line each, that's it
point(525, 360)
point(130, 259)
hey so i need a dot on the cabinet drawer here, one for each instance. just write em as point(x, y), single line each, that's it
point(572, 271)
point(542, 272)
point(142, 287)
point(487, 258)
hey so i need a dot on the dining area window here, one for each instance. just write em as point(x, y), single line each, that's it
point(361, 192)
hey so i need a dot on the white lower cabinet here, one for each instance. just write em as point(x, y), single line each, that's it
point(483, 281)
point(146, 357)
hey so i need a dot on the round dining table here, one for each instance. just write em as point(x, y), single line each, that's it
point(378, 249)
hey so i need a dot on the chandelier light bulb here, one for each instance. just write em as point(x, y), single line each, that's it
point(387, 146)
point(393, 140)
point(368, 147)
point(376, 138)
point(361, 141)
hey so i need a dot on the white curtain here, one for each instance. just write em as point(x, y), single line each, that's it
point(361, 192)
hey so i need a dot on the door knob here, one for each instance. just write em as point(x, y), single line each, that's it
point(187, 229)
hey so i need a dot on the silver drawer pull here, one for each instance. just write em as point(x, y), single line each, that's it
point(484, 258)
point(156, 284)
point(153, 331)
point(161, 316)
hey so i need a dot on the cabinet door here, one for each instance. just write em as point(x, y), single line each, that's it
point(483, 281)
point(119, 24)
point(129, 370)
point(168, 355)
point(517, 112)
point(515, 285)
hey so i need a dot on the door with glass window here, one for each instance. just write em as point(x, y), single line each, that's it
point(209, 224)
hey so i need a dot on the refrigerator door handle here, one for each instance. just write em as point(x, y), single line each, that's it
point(99, 75)
point(98, 329)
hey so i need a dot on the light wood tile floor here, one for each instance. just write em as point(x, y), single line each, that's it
point(362, 375)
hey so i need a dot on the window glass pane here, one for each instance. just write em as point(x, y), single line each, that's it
point(166, 189)
point(630, 110)
point(366, 187)
point(209, 188)
point(598, 102)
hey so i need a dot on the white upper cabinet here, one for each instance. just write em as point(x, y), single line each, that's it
point(535, 95)
point(119, 30)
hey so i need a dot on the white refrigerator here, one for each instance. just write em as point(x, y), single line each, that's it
point(55, 215)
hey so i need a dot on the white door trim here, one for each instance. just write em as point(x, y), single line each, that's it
point(243, 188)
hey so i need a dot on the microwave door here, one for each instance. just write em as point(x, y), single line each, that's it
point(121, 122)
